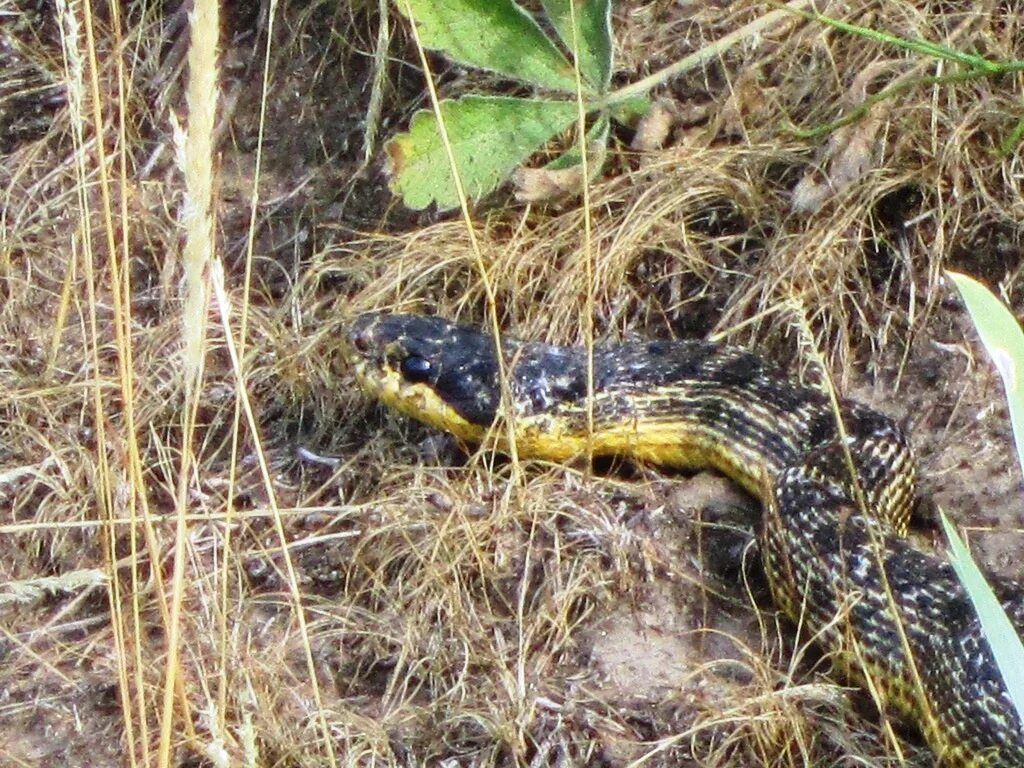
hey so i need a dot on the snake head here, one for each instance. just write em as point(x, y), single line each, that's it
point(441, 373)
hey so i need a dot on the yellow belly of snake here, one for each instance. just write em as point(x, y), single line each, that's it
point(836, 485)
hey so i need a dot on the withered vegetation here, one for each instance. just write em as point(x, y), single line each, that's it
point(336, 588)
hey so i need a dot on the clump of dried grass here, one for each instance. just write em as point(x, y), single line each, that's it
point(447, 610)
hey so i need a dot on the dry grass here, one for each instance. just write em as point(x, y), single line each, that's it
point(161, 536)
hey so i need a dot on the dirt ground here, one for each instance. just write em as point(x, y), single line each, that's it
point(327, 583)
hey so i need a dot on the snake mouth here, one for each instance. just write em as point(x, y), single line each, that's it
point(361, 350)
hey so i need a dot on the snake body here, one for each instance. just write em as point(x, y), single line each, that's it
point(836, 480)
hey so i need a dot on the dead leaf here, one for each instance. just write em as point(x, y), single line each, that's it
point(851, 151)
point(535, 185)
point(746, 103)
point(654, 128)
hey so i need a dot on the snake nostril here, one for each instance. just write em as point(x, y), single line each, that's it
point(361, 340)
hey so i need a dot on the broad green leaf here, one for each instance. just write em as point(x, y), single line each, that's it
point(491, 34)
point(490, 136)
point(1002, 637)
point(1004, 340)
point(593, 36)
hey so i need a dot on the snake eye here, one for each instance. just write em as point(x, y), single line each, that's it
point(415, 369)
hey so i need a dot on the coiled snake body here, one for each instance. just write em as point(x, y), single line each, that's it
point(836, 486)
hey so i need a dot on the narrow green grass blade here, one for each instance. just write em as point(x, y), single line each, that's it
point(1002, 637)
point(1002, 336)
point(492, 34)
point(1011, 142)
point(1004, 340)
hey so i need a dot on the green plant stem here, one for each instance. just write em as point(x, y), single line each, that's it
point(1009, 145)
point(861, 109)
point(700, 57)
point(924, 47)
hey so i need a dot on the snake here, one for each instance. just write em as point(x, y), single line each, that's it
point(836, 480)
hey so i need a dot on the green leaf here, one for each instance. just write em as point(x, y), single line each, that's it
point(597, 143)
point(1004, 340)
point(489, 135)
point(593, 36)
point(1002, 637)
point(632, 109)
point(1002, 336)
point(491, 34)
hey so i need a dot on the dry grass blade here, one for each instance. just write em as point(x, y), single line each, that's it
point(195, 158)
